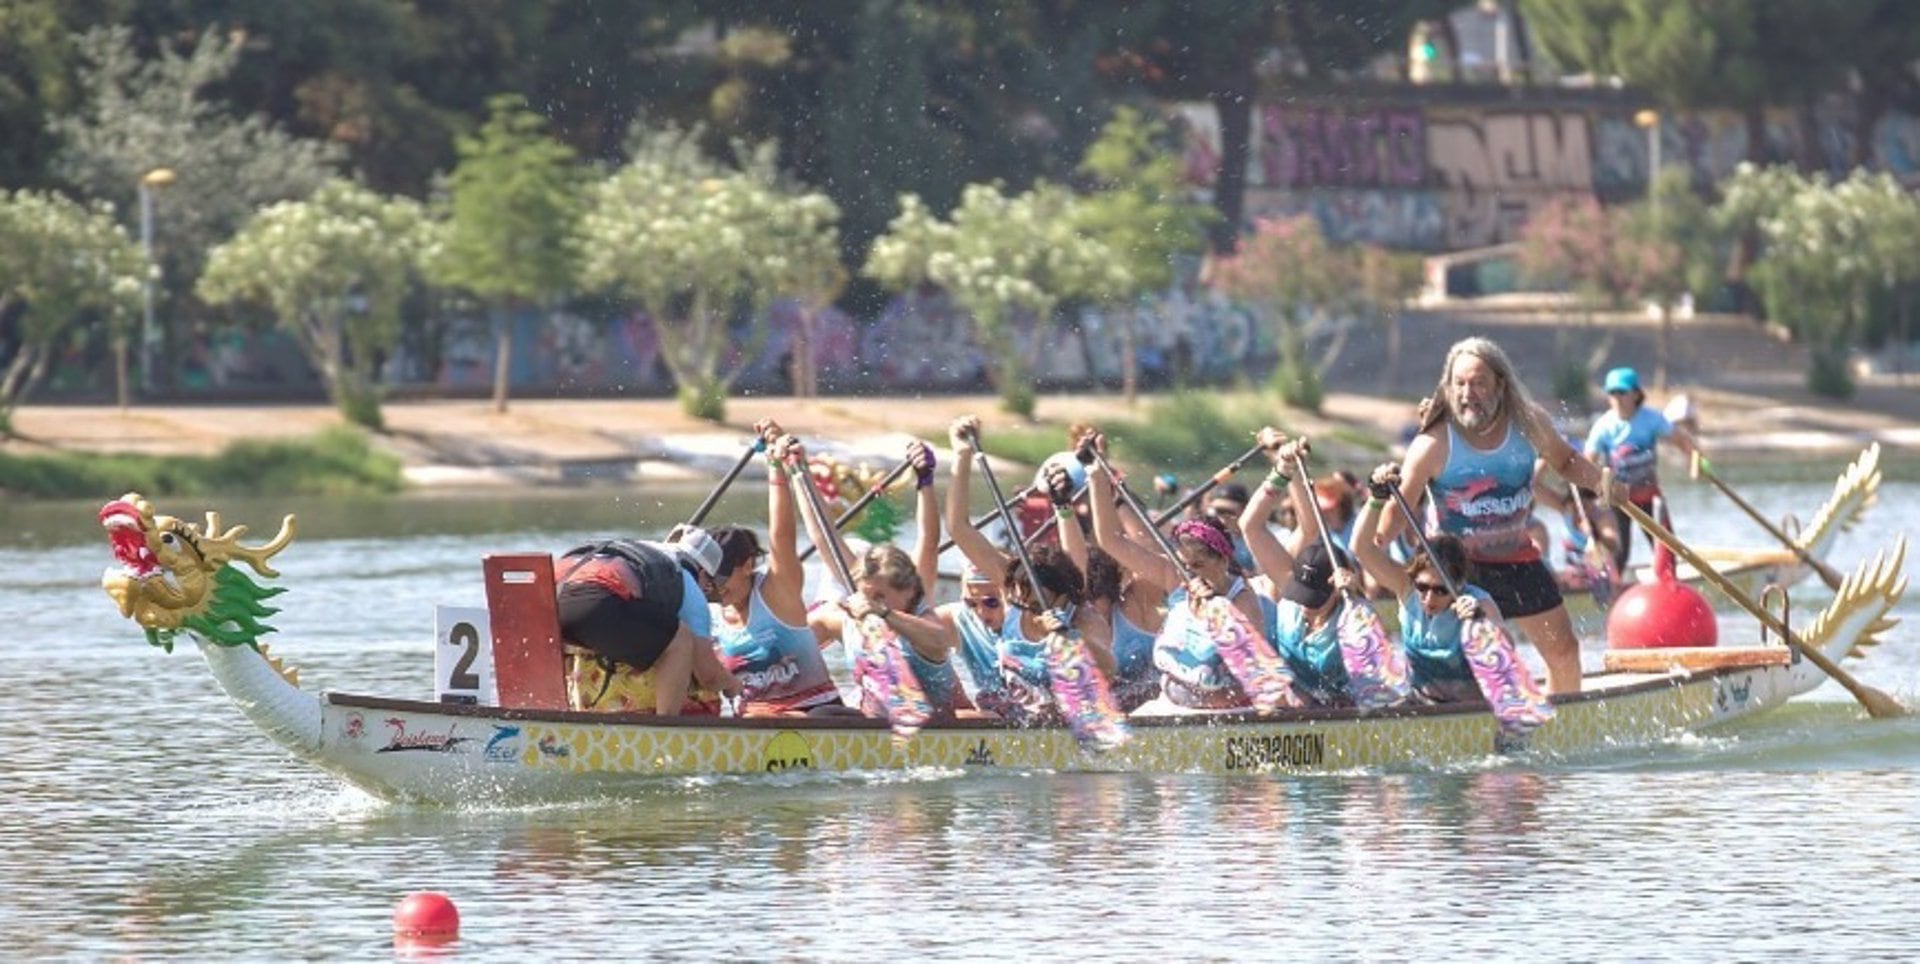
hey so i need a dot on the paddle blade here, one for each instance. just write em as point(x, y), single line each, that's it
point(1261, 673)
point(1377, 673)
point(1083, 695)
point(889, 689)
point(1506, 682)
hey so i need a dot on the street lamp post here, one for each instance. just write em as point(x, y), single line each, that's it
point(1649, 120)
point(158, 177)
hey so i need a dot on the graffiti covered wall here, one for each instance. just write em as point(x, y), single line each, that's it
point(1440, 177)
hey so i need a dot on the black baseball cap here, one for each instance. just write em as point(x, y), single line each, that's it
point(1311, 583)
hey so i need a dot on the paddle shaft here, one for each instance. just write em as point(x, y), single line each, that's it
point(1319, 519)
point(1826, 573)
point(1420, 536)
point(713, 498)
point(1226, 472)
point(1006, 519)
point(812, 504)
point(1879, 705)
point(863, 502)
point(987, 516)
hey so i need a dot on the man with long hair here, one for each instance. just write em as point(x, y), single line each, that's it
point(1480, 435)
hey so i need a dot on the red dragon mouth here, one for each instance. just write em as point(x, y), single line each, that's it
point(129, 538)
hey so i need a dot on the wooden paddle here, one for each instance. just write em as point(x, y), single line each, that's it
point(1827, 574)
point(864, 501)
point(1377, 671)
point(1262, 674)
point(1879, 705)
point(880, 666)
point(1601, 577)
point(1219, 478)
point(1083, 695)
point(713, 498)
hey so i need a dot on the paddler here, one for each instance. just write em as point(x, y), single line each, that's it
point(1479, 437)
point(1624, 439)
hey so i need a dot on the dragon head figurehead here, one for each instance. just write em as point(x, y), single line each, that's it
point(174, 576)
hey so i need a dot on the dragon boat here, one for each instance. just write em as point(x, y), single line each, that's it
point(180, 580)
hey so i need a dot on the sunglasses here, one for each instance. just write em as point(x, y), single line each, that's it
point(1430, 589)
point(1619, 391)
point(988, 603)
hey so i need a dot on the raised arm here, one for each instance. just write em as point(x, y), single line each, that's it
point(973, 545)
point(1273, 558)
point(1426, 456)
point(782, 590)
point(1371, 555)
point(1147, 565)
point(926, 514)
point(1060, 492)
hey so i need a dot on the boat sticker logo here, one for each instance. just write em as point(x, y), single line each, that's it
point(550, 746)
point(403, 742)
point(354, 728)
point(504, 746)
point(1729, 695)
point(981, 755)
point(788, 751)
point(1291, 750)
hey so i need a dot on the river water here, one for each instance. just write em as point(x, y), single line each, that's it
point(144, 818)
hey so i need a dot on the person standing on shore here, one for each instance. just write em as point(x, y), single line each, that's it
point(1624, 439)
point(1480, 434)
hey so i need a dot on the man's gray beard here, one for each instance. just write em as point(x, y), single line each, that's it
point(1475, 420)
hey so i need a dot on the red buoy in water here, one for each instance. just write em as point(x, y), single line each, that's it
point(1664, 612)
point(425, 917)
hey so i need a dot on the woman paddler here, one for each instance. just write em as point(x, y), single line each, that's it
point(1186, 651)
point(762, 631)
point(1017, 684)
point(1307, 586)
point(1135, 617)
point(1430, 616)
point(892, 585)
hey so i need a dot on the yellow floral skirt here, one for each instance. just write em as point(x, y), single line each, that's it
point(604, 686)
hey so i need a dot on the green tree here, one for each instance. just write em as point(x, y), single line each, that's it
point(141, 115)
point(1287, 267)
point(1141, 210)
point(59, 261)
point(333, 270)
point(997, 256)
point(514, 199)
point(700, 245)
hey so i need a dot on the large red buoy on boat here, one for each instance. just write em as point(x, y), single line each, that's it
point(1664, 612)
point(426, 917)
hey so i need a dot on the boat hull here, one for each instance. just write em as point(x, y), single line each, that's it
point(417, 751)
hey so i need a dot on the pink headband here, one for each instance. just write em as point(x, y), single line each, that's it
point(1206, 535)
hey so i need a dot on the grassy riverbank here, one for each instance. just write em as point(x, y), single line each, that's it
point(336, 461)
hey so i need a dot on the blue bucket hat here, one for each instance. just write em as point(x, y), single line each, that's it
point(1623, 380)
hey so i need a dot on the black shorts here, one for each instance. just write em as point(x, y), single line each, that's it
point(1518, 588)
point(632, 631)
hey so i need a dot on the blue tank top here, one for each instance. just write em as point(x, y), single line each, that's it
point(1187, 655)
point(1486, 498)
point(1312, 655)
point(1025, 657)
point(1628, 446)
point(778, 664)
point(979, 651)
point(1433, 642)
point(937, 680)
point(1132, 647)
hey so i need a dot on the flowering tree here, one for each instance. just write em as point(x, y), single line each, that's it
point(59, 260)
point(1288, 267)
point(700, 244)
point(1827, 251)
point(998, 255)
point(333, 270)
point(1143, 212)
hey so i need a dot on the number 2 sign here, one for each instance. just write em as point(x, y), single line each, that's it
point(463, 656)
